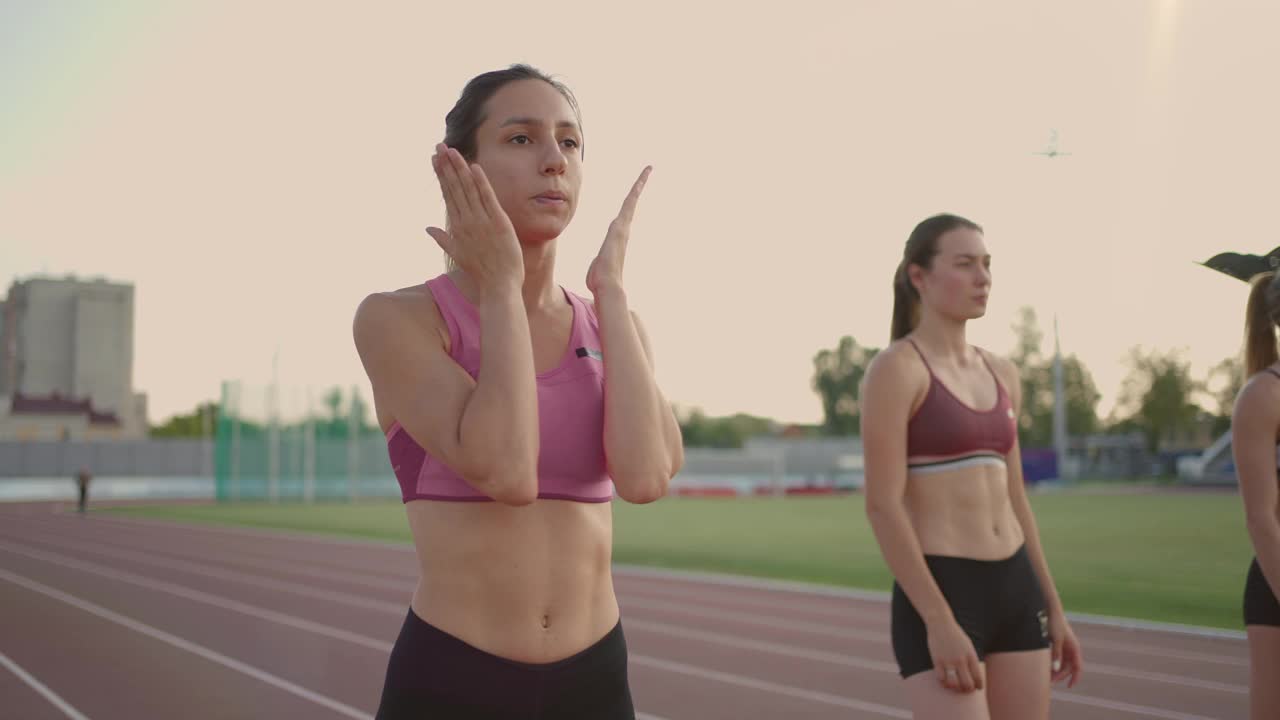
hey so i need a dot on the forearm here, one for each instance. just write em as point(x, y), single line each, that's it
point(498, 429)
point(901, 550)
point(642, 440)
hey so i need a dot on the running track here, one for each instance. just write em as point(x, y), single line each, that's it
point(107, 618)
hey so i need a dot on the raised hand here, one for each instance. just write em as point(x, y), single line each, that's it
point(480, 237)
point(606, 269)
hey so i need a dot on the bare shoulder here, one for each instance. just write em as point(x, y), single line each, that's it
point(898, 365)
point(1259, 397)
point(395, 312)
point(892, 389)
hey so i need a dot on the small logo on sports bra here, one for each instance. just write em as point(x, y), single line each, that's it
point(590, 352)
point(1044, 624)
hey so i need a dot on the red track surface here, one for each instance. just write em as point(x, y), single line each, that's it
point(121, 619)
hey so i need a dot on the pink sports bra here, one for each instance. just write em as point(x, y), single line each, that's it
point(571, 460)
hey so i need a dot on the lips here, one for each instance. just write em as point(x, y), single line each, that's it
point(552, 195)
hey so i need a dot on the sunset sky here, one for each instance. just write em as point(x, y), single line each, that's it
point(255, 169)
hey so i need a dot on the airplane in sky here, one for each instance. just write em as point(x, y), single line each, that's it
point(1052, 151)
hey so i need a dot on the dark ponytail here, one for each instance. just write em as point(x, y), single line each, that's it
point(906, 304)
point(1260, 322)
point(922, 245)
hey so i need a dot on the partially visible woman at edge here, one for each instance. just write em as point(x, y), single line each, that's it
point(973, 600)
point(1255, 440)
point(508, 460)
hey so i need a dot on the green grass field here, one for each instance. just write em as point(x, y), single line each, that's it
point(1170, 557)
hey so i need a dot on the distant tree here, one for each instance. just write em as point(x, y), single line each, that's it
point(1027, 338)
point(338, 422)
point(1035, 424)
point(1159, 395)
point(837, 378)
point(333, 399)
point(699, 430)
point(190, 425)
point(1082, 397)
point(358, 412)
point(1223, 384)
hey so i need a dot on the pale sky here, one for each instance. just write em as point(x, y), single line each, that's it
point(255, 169)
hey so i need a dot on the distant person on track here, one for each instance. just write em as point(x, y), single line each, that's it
point(514, 409)
point(977, 626)
point(1255, 447)
point(83, 477)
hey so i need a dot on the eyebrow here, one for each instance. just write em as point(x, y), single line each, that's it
point(971, 256)
point(536, 122)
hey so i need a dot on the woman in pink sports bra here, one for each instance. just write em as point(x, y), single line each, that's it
point(977, 626)
point(515, 410)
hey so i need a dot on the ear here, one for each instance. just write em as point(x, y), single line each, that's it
point(915, 276)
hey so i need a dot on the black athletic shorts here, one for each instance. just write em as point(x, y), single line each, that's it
point(998, 603)
point(1260, 606)
point(432, 674)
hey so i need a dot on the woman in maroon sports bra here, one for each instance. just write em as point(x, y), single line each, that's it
point(974, 601)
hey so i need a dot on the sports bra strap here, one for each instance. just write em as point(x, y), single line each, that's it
point(922, 359)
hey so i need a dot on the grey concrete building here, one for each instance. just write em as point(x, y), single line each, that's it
point(66, 360)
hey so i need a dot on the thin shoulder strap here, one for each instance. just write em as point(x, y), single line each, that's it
point(992, 370)
point(922, 358)
point(1273, 371)
point(985, 361)
point(582, 309)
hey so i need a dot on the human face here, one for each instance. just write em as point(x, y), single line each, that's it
point(530, 147)
point(958, 281)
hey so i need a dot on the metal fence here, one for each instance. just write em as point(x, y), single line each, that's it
point(152, 457)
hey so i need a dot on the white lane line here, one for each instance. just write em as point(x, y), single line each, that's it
point(1127, 707)
point(859, 661)
point(766, 686)
point(734, 641)
point(839, 701)
point(837, 629)
point(196, 568)
point(777, 648)
point(795, 587)
point(712, 578)
point(843, 612)
point(825, 630)
point(1092, 642)
point(213, 528)
point(41, 688)
point(356, 638)
point(218, 601)
point(280, 566)
point(182, 643)
point(833, 629)
point(1168, 678)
